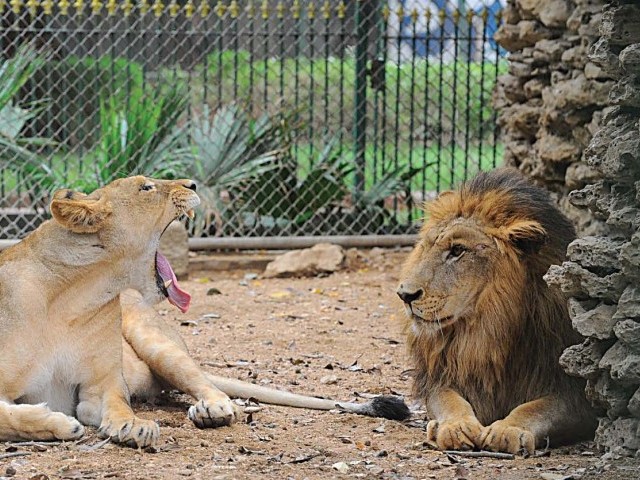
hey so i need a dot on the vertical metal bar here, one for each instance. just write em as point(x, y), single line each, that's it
point(468, 96)
point(495, 112)
point(427, 99)
point(454, 109)
point(342, 37)
point(297, 38)
point(236, 48)
point(265, 54)
point(219, 48)
point(312, 41)
point(205, 68)
point(440, 101)
point(250, 12)
point(281, 37)
point(327, 53)
point(482, 80)
point(412, 105)
point(396, 132)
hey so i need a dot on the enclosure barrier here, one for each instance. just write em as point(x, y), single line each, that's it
point(296, 118)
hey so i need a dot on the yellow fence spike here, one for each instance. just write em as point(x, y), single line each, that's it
point(442, 16)
point(264, 9)
point(189, 9)
point(79, 6)
point(470, 15)
point(400, 12)
point(341, 10)
point(204, 8)
point(456, 16)
point(144, 7)
point(386, 12)
point(32, 5)
point(428, 14)
point(220, 9)
point(295, 9)
point(414, 16)
point(96, 6)
point(485, 14)
point(158, 8)
point(280, 9)
point(326, 10)
point(64, 5)
point(311, 11)
point(127, 6)
point(16, 6)
point(234, 9)
point(174, 8)
point(111, 6)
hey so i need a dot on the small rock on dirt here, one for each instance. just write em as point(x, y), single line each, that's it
point(308, 262)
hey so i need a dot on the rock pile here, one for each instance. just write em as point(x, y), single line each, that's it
point(550, 102)
point(603, 272)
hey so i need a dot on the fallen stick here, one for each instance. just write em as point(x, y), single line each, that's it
point(483, 454)
point(14, 454)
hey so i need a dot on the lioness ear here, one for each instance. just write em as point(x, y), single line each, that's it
point(528, 236)
point(79, 213)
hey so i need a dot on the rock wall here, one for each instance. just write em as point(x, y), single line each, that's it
point(602, 274)
point(550, 102)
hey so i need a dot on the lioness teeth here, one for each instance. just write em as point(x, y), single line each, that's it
point(191, 214)
point(168, 283)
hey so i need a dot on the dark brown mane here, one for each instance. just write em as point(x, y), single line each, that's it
point(519, 324)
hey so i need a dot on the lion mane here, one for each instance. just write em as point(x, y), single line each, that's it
point(500, 330)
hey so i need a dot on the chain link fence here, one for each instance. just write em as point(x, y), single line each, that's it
point(295, 117)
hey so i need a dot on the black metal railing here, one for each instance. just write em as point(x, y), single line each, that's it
point(298, 117)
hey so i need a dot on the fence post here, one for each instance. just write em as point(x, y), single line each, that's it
point(363, 8)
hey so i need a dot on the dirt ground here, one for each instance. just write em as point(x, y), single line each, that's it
point(334, 336)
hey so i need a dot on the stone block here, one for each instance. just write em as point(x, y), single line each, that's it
point(630, 257)
point(607, 394)
point(596, 323)
point(622, 363)
point(626, 92)
point(630, 59)
point(628, 332)
point(583, 360)
point(629, 303)
point(321, 258)
point(634, 404)
point(598, 254)
point(621, 24)
point(622, 432)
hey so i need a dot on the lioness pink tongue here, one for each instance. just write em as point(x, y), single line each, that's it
point(177, 296)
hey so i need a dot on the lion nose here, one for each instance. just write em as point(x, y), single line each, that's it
point(191, 185)
point(408, 296)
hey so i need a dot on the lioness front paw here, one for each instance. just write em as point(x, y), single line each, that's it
point(213, 413)
point(500, 436)
point(458, 434)
point(133, 432)
point(62, 427)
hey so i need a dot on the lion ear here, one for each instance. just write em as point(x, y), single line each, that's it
point(78, 212)
point(528, 236)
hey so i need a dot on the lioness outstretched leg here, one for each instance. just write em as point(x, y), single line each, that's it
point(163, 351)
point(36, 422)
point(453, 424)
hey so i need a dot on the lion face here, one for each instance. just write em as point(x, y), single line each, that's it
point(446, 272)
point(124, 220)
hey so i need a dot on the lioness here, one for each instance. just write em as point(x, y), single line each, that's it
point(484, 330)
point(65, 324)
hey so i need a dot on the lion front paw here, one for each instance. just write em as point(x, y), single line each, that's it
point(458, 434)
point(501, 436)
point(133, 432)
point(212, 413)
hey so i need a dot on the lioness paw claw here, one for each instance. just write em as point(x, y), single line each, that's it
point(502, 437)
point(213, 414)
point(459, 434)
point(135, 432)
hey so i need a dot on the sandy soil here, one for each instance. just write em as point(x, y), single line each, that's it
point(337, 336)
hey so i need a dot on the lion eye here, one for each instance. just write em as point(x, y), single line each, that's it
point(146, 187)
point(456, 251)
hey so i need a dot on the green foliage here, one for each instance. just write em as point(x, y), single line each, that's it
point(230, 150)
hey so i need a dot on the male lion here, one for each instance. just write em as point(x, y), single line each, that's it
point(484, 330)
point(70, 339)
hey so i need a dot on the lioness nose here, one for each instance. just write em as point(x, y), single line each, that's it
point(191, 185)
point(408, 296)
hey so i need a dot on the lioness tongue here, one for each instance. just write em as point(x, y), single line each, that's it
point(177, 296)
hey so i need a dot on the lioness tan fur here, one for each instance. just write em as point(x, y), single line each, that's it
point(79, 334)
point(484, 331)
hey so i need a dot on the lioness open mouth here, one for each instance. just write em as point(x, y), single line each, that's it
point(168, 284)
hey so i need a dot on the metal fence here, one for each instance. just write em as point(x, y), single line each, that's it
point(295, 117)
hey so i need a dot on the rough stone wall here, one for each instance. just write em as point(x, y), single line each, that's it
point(550, 101)
point(602, 274)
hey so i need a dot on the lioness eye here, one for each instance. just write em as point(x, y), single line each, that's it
point(146, 187)
point(456, 250)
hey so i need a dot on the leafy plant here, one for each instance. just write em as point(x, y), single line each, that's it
point(231, 149)
point(140, 135)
